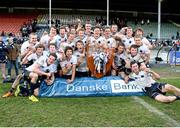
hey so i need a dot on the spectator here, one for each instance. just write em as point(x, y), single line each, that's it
point(12, 54)
point(177, 35)
point(28, 60)
point(3, 60)
point(136, 21)
point(142, 22)
point(24, 30)
point(148, 21)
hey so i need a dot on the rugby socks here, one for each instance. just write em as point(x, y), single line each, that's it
point(32, 87)
point(11, 90)
point(24, 91)
point(177, 97)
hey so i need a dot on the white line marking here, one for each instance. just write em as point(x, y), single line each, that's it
point(156, 111)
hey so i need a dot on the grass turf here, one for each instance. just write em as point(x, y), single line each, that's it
point(86, 112)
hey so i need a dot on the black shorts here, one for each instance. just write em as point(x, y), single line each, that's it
point(3, 59)
point(66, 76)
point(155, 90)
point(82, 74)
point(26, 74)
point(27, 78)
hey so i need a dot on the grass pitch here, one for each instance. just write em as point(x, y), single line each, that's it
point(88, 111)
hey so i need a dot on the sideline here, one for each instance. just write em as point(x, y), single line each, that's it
point(157, 112)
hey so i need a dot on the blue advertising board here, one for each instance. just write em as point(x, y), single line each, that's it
point(174, 58)
point(88, 86)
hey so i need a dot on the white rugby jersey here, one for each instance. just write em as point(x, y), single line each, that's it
point(42, 62)
point(118, 57)
point(45, 40)
point(83, 66)
point(84, 40)
point(145, 41)
point(34, 56)
point(144, 49)
point(73, 60)
point(61, 40)
point(111, 42)
point(63, 45)
point(99, 40)
point(128, 41)
point(136, 58)
point(143, 79)
point(26, 44)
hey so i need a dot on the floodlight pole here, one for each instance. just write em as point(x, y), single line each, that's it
point(49, 13)
point(107, 12)
point(159, 19)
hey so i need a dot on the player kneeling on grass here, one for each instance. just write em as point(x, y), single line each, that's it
point(28, 60)
point(43, 67)
point(145, 78)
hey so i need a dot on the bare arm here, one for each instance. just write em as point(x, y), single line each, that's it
point(25, 60)
point(37, 70)
point(155, 75)
point(73, 74)
point(66, 69)
point(25, 53)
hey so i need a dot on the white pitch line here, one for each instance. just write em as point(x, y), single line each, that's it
point(156, 111)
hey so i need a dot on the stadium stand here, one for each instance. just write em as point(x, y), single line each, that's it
point(67, 19)
point(11, 23)
point(167, 29)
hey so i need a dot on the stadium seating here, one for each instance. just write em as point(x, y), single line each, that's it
point(66, 19)
point(167, 29)
point(11, 23)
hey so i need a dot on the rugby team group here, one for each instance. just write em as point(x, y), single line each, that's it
point(66, 52)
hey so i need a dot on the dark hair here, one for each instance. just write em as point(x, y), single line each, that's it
point(134, 46)
point(52, 44)
point(79, 41)
point(53, 54)
point(63, 27)
point(120, 44)
point(53, 27)
point(134, 62)
point(97, 27)
point(68, 48)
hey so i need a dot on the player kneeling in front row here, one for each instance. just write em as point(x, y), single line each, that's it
point(44, 66)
